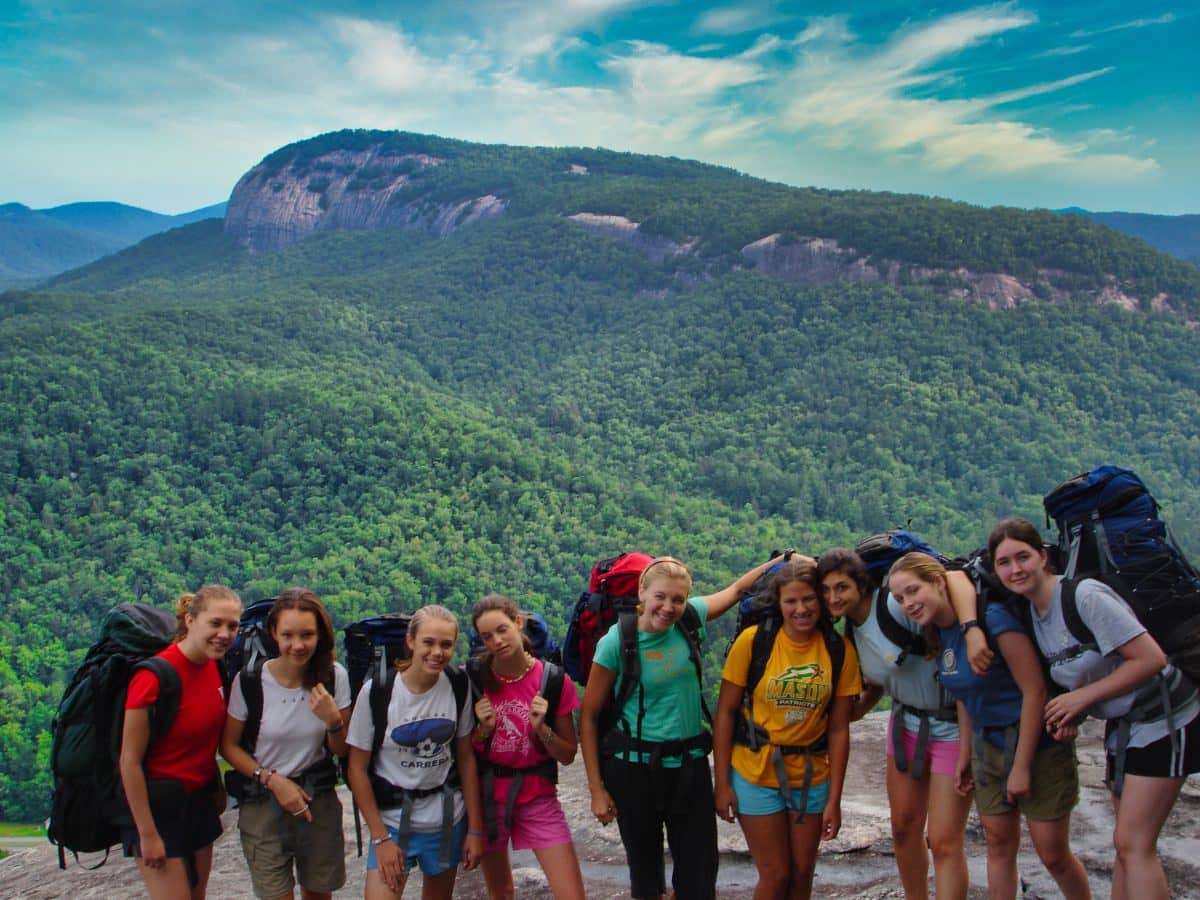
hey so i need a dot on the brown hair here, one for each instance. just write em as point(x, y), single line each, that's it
point(320, 667)
point(839, 559)
point(501, 604)
point(1017, 529)
point(432, 611)
point(192, 605)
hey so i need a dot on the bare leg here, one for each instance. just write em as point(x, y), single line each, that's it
point(804, 839)
point(561, 866)
point(769, 843)
point(376, 888)
point(948, 812)
point(1142, 811)
point(169, 882)
point(909, 804)
point(1003, 834)
point(1052, 841)
point(439, 887)
point(497, 873)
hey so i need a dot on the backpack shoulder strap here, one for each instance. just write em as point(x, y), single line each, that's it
point(380, 697)
point(760, 652)
point(631, 658)
point(170, 693)
point(690, 625)
point(1070, 609)
point(893, 630)
point(252, 691)
point(462, 689)
point(473, 669)
point(553, 677)
point(836, 646)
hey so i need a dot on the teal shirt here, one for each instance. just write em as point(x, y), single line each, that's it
point(671, 690)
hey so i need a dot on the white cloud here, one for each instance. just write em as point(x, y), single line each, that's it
point(1164, 19)
point(729, 20)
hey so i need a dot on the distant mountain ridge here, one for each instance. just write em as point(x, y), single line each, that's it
point(701, 220)
point(38, 243)
point(1177, 235)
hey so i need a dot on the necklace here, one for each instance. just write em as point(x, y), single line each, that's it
point(507, 679)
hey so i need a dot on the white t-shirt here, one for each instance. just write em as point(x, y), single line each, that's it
point(291, 738)
point(418, 751)
point(1113, 624)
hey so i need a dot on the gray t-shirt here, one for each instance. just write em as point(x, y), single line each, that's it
point(418, 750)
point(1113, 624)
point(913, 682)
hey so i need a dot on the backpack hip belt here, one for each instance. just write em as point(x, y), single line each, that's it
point(388, 796)
point(618, 741)
point(924, 715)
point(756, 738)
point(1157, 700)
point(489, 772)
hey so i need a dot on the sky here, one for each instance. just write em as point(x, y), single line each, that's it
point(164, 105)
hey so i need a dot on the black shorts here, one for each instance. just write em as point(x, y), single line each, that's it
point(1159, 759)
point(185, 822)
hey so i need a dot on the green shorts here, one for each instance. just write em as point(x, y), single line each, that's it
point(1054, 779)
point(281, 848)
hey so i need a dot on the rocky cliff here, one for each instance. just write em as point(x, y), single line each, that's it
point(272, 207)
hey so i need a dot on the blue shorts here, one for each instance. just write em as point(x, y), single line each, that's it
point(753, 800)
point(424, 849)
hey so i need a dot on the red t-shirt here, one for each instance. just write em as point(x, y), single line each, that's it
point(187, 752)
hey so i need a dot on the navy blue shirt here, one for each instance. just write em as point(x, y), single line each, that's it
point(992, 699)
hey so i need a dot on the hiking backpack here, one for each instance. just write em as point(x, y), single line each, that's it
point(1109, 530)
point(611, 592)
point(878, 552)
point(88, 805)
point(253, 642)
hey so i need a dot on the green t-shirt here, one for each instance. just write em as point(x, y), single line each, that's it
point(670, 689)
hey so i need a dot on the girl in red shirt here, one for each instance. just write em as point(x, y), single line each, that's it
point(170, 783)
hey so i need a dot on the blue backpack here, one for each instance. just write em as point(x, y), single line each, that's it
point(542, 642)
point(1109, 530)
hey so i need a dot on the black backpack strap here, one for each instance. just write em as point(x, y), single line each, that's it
point(553, 678)
point(462, 689)
point(252, 691)
point(1074, 621)
point(631, 659)
point(690, 626)
point(893, 630)
point(380, 697)
point(170, 694)
point(746, 730)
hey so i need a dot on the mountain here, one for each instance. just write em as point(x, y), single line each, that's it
point(705, 219)
point(403, 415)
point(35, 244)
point(1177, 235)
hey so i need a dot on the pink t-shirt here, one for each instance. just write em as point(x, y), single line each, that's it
point(513, 742)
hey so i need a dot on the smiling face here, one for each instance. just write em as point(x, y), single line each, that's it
point(431, 647)
point(211, 630)
point(843, 598)
point(1020, 567)
point(501, 636)
point(801, 609)
point(663, 599)
point(925, 602)
point(297, 635)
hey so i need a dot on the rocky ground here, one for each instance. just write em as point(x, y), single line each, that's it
point(858, 864)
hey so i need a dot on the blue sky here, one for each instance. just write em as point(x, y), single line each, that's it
point(164, 105)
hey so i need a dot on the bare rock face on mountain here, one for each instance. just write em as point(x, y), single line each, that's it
point(272, 207)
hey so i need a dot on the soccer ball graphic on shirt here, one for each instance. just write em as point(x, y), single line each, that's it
point(425, 737)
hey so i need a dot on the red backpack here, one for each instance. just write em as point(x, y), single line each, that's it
point(612, 588)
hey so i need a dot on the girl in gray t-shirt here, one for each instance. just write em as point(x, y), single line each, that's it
point(1122, 677)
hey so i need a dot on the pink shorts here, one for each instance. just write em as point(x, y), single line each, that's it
point(537, 823)
point(941, 756)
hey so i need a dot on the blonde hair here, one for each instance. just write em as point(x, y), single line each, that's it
point(193, 604)
point(419, 618)
point(930, 571)
point(665, 567)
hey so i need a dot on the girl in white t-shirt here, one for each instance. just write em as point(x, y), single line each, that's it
point(401, 779)
point(1119, 677)
point(289, 815)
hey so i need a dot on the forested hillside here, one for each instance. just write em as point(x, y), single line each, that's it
point(396, 419)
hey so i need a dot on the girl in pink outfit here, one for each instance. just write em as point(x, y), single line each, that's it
point(521, 742)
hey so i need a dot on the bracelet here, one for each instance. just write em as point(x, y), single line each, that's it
point(375, 842)
point(547, 736)
point(257, 774)
point(475, 832)
point(267, 783)
point(968, 625)
point(336, 728)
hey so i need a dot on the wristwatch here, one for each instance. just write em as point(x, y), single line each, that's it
point(968, 625)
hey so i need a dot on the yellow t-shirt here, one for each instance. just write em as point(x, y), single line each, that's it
point(791, 702)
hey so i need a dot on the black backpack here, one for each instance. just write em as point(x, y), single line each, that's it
point(1109, 530)
point(88, 805)
point(253, 642)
